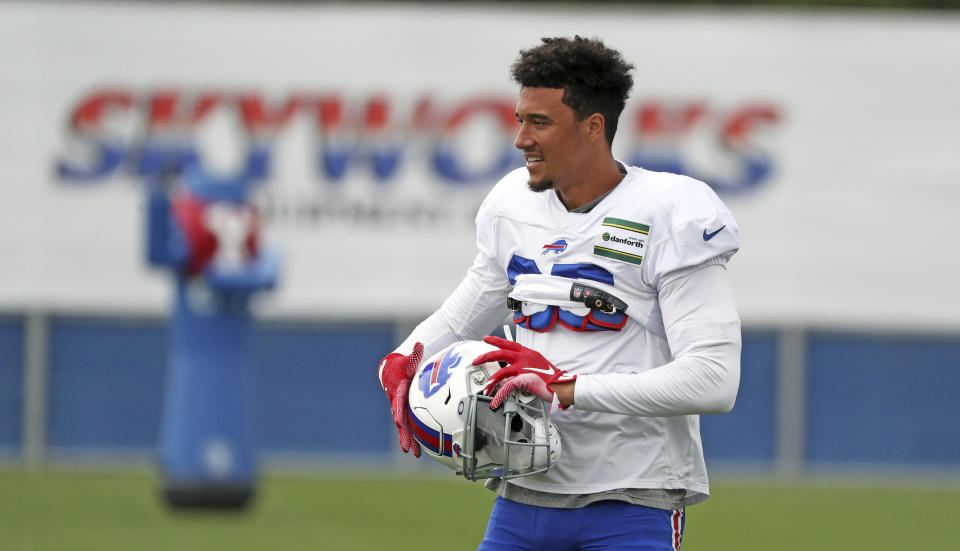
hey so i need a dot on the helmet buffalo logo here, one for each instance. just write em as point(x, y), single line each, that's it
point(556, 247)
point(435, 375)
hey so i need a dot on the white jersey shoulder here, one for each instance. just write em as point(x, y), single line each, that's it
point(512, 198)
point(672, 221)
point(687, 222)
point(672, 198)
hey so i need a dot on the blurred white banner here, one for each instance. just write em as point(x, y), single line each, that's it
point(375, 132)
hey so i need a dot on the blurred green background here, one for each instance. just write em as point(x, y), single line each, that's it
point(96, 511)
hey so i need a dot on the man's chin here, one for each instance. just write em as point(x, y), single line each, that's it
point(541, 186)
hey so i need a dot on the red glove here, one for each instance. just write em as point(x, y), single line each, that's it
point(527, 370)
point(396, 373)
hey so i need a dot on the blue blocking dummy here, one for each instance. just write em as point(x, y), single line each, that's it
point(206, 232)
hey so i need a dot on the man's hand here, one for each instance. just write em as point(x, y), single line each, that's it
point(396, 373)
point(526, 370)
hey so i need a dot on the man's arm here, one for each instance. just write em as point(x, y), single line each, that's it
point(703, 331)
point(474, 308)
point(564, 392)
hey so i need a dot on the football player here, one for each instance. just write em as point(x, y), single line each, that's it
point(628, 323)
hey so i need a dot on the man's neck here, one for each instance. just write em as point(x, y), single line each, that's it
point(607, 177)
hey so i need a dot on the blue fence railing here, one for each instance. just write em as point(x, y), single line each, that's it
point(884, 400)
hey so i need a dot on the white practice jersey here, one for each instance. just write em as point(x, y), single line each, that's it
point(658, 244)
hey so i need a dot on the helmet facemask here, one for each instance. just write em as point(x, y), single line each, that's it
point(509, 442)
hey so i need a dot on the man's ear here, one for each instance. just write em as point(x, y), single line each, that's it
point(595, 125)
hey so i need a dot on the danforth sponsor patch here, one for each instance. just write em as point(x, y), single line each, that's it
point(622, 240)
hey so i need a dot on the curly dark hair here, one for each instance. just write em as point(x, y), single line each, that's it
point(594, 78)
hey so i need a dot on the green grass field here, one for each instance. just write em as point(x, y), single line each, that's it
point(83, 511)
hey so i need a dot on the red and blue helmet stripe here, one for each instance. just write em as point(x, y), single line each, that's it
point(429, 438)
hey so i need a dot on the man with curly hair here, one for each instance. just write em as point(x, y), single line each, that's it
point(625, 319)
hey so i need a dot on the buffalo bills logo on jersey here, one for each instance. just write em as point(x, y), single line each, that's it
point(556, 247)
point(435, 375)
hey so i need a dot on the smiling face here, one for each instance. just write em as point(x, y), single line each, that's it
point(552, 140)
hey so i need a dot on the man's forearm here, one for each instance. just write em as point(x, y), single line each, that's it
point(564, 392)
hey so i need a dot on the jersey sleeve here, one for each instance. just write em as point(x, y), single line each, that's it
point(703, 329)
point(694, 229)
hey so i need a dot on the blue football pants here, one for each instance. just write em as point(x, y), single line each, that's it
point(602, 525)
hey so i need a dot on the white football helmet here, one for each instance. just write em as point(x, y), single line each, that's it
point(452, 420)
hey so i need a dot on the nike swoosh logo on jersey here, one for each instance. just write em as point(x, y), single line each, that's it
point(709, 236)
point(544, 371)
